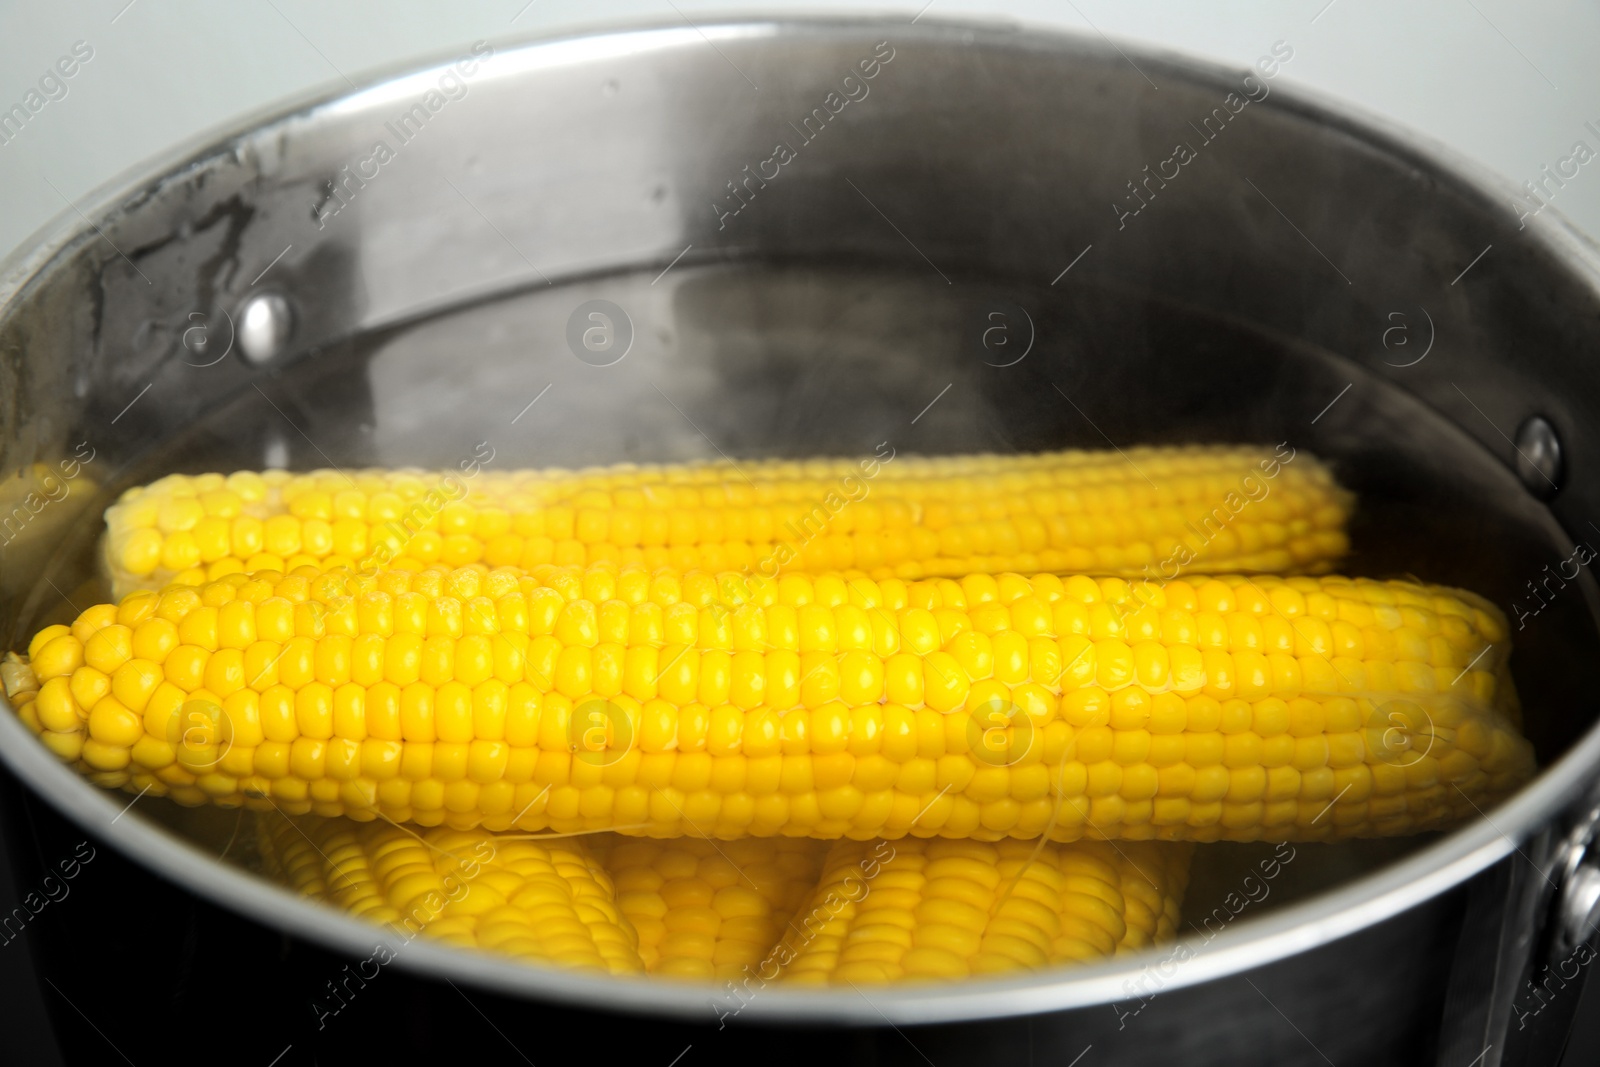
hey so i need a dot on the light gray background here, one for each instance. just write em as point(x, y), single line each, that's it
point(1507, 82)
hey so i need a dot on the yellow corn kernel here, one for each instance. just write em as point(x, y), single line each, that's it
point(59, 656)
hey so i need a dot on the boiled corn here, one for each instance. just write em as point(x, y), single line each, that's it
point(935, 909)
point(544, 901)
point(35, 488)
point(709, 909)
point(1212, 508)
point(592, 699)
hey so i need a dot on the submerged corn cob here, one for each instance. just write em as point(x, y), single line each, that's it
point(707, 909)
point(689, 908)
point(33, 489)
point(1153, 883)
point(1232, 508)
point(935, 909)
point(546, 901)
point(598, 699)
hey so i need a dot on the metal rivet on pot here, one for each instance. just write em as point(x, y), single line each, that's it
point(1539, 457)
point(265, 322)
point(276, 452)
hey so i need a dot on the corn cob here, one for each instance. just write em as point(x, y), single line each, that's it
point(1152, 883)
point(706, 909)
point(36, 487)
point(1230, 508)
point(935, 909)
point(617, 699)
point(545, 901)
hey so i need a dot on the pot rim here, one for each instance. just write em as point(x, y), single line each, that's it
point(1327, 916)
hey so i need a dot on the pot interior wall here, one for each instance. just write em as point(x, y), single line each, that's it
point(797, 360)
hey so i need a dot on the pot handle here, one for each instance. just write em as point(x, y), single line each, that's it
point(1527, 938)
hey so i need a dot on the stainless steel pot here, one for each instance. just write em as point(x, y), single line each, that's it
point(805, 236)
